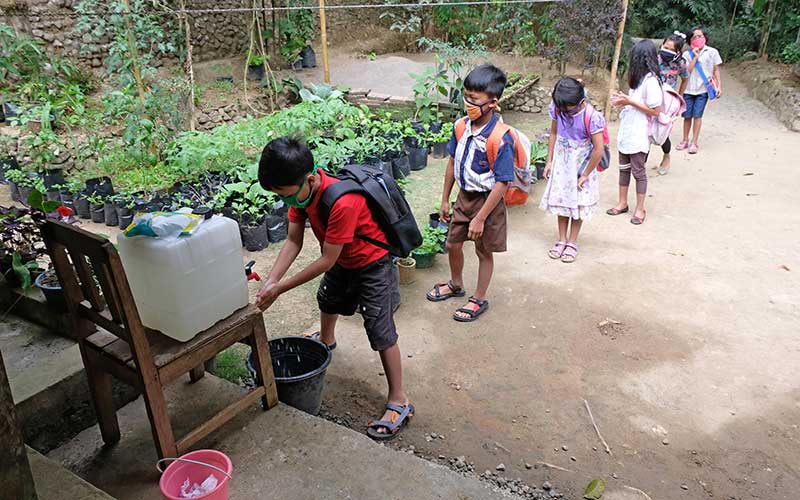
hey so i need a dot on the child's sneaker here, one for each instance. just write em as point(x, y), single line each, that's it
point(682, 146)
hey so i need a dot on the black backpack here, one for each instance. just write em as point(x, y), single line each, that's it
point(385, 200)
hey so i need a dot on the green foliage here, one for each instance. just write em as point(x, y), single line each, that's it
point(432, 239)
point(254, 59)
point(297, 30)
point(454, 61)
point(538, 152)
point(430, 87)
point(320, 93)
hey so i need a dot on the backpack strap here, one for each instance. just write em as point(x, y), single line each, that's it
point(460, 127)
point(332, 194)
point(587, 116)
point(495, 141)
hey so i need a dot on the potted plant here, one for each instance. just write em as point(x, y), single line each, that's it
point(255, 66)
point(110, 211)
point(8, 156)
point(125, 210)
point(440, 136)
point(309, 57)
point(297, 28)
point(97, 208)
point(432, 239)
point(406, 268)
point(539, 158)
point(48, 283)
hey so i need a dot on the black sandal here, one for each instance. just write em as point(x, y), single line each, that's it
point(401, 416)
point(436, 295)
point(483, 305)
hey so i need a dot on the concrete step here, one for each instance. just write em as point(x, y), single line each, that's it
point(48, 383)
point(282, 453)
point(54, 482)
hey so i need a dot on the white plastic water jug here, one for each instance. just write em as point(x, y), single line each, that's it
point(184, 285)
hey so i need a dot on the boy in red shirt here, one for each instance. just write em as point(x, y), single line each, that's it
point(358, 275)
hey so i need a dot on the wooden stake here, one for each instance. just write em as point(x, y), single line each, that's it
point(324, 29)
point(189, 64)
point(134, 50)
point(612, 83)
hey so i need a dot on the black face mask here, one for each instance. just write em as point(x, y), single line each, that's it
point(667, 56)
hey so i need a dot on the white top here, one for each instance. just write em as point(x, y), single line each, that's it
point(632, 137)
point(708, 60)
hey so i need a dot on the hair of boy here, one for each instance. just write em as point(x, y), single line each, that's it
point(568, 92)
point(678, 40)
point(284, 162)
point(488, 79)
point(699, 28)
point(643, 60)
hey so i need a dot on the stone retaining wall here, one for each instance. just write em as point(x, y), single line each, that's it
point(776, 86)
point(530, 98)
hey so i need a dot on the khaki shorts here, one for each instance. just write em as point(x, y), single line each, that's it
point(467, 206)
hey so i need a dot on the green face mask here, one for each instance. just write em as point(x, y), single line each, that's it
point(292, 200)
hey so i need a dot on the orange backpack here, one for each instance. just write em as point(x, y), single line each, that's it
point(519, 188)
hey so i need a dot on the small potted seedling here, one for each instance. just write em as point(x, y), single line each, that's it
point(539, 158)
point(432, 239)
point(406, 268)
point(255, 66)
point(97, 208)
point(48, 283)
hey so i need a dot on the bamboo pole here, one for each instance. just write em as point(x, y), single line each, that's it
point(324, 29)
point(612, 83)
point(134, 50)
point(189, 65)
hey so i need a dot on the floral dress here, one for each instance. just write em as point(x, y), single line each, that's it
point(573, 147)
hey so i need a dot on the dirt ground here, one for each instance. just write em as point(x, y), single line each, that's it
point(680, 334)
point(694, 390)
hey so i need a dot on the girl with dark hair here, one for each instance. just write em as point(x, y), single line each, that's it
point(642, 101)
point(672, 65)
point(702, 61)
point(575, 150)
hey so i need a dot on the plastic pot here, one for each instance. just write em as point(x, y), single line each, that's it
point(97, 213)
point(12, 186)
point(418, 158)
point(9, 163)
point(53, 195)
point(254, 238)
point(255, 72)
point(110, 209)
point(540, 166)
point(439, 150)
point(24, 193)
point(401, 167)
point(53, 178)
point(48, 283)
point(100, 185)
point(424, 260)
point(82, 209)
point(308, 57)
point(405, 269)
point(68, 199)
point(125, 221)
point(277, 228)
point(297, 65)
point(9, 110)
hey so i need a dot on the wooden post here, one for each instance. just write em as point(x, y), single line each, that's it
point(15, 471)
point(324, 29)
point(763, 48)
point(189, 64)
point(612, 83)
point(134, 50)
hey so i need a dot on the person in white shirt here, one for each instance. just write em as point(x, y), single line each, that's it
point(701, 60)
point(643, 100)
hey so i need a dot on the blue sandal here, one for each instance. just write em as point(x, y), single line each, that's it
point(401, 417)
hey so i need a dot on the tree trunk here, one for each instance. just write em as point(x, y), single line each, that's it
point(189, 64)
point(612, 82)
point(15, 471)
point(763, 48)
point(134, 51)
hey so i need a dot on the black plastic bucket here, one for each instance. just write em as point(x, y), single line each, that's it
point(418, 158)
point(299, 365)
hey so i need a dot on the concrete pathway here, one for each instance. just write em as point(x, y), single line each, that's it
point(280, 453)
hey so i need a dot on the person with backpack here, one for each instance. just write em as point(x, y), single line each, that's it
point(574, 152)
point(705, 83)
point(672, 66)
point(482, 162)
point(356, 264)
point(642, 103)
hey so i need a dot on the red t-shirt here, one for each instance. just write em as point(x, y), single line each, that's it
point(349, 216)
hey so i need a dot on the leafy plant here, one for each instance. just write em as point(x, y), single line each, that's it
point(539, 152)
point(254, 59)
point(297, 29)
point(432, 239)
point(428, 87)
point(320, 92)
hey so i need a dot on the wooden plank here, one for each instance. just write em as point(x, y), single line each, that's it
point(102, 398)
point(263, 362)
point(86, 275)
point(101, 320)
point(109, 290)
point(218, 420)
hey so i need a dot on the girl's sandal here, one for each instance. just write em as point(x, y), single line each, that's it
point(693, 149)
point(682, 146)
point(616, 211)
point(557, 251)
point(471, 314)
point(570, 253)
point(638, 221)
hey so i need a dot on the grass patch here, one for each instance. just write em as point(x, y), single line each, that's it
point(230, 364)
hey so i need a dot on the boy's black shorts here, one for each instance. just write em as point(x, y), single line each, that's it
point(367, 290)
